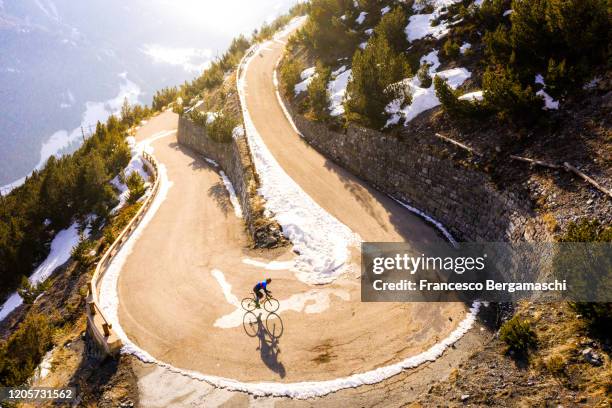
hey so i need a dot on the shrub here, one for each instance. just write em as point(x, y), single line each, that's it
point(163, 97)
point(599, 315)
point(198, 117)
point(424, 76)
point(21, 353)
point(451, 49)
point(136, 185)
point(27, 291)
point(326, 33)
point(574, 33)
point(220, 129)
point(82, 251)
point(518, 335)
point(374, 71)
point(318, 96)
point(289, 76)
point(452, 105)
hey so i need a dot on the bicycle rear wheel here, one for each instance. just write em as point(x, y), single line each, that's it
point(271, 305)
point(248, 304)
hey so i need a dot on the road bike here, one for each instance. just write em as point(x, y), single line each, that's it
point(269, 303)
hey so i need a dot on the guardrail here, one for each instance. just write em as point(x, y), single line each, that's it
point(98, 325)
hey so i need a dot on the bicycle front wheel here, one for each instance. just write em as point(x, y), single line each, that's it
point(271, 305)
point(248, 304)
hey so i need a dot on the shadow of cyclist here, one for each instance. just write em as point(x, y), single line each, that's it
point(268, 343)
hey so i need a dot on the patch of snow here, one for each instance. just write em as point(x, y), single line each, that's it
point(363, 45)
point(464, 47)
point(361, 17)
point(307, 76)
point(385, 10)
point(61, 249)
point(226, 288)
point(369, 31)
point(272, 266)
point(592, 84)
point(238, 132)
point(419, 25)
point(337, 91)
point(472, 96)
point(429, 219)
point(136, 164)
point(508, 12)
point(424, 99)
point(433, 61)
point(310, 302)
point(211, 161)
point(549, 102)
point(232, 193)
point(338, 71)
point(44, 368)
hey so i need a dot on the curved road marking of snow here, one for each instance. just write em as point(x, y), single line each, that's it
point(274, 265)
point(312, 301)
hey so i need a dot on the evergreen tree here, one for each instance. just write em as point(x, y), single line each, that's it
point(504, 93)
point(392, 26)
point(374, 71)
point(318, 96)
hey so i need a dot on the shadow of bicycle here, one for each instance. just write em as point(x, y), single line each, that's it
point(268, 334)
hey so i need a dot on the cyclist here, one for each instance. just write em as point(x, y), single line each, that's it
point(259, 290)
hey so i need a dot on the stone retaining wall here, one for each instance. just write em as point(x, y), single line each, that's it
point(235, 160)
point(420, 172)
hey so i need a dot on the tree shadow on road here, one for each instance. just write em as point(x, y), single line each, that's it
point(268, 340)
point(219, 194)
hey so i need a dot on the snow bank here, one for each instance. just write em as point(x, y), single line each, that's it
point(337, 90)
point(472, 96)
point(232, 193)
point(424, 99)
point(385, 10)
point(464, 47)
point(321, 241)
point(61, 249)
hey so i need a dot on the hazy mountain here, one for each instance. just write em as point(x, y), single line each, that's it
point(65, 63)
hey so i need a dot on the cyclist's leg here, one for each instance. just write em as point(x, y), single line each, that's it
point(258, 295)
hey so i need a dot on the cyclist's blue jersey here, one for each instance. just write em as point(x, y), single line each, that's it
point(261, 285)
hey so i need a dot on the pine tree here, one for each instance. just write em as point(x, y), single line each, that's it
point(374, 70)
point(392, 26)
point(318, 96)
